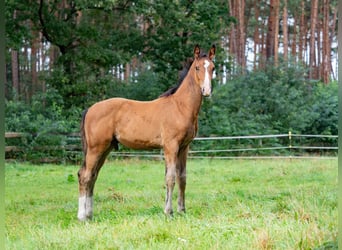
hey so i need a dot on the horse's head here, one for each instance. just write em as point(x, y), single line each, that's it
point(204, 68)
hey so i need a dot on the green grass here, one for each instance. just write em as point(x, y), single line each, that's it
point(231, 204)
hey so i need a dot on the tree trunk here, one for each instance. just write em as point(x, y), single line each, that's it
point(25, 74)
point(237, 36)
point(241, 34)
point(276, 32)
point(232, 32)
point(294, 38)
point(301, 32)
point(326, 42)
point(285, 32)
point(35, 43)
point(271, 31)
point(333, 31)
point(262, 49)
point(15, 73)
point(15, 68)
point(319, 48)
point(256, 35)
point(312, 62)
point(127, 72)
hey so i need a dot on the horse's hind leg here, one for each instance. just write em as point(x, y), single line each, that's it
point(181, 177)
point(85, 200)
point(87, 176)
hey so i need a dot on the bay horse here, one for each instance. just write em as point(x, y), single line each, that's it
point(168, 122)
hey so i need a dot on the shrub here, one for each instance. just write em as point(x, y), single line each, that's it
point(44, 124)
point(272, 101)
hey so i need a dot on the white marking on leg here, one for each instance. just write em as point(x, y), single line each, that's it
point(82, 208)
point(85, 208)
point(89, 207)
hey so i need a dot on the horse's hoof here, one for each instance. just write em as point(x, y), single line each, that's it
point(84, 217)
point(181, 210)
point(168, 212)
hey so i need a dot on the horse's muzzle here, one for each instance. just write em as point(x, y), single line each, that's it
point(206, 92)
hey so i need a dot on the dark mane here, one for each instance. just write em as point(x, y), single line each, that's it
point(181, 75)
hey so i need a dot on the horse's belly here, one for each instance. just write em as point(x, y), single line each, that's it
point(138, 142)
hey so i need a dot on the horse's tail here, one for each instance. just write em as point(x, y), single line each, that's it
point(83, 135)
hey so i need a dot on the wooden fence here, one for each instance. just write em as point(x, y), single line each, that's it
point(17, 147)
point(9, 135)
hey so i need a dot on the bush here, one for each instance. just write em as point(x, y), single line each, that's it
point(324, 110)
point(273, 101)
point(44, 124)
point(147, 86)
point(262, 102)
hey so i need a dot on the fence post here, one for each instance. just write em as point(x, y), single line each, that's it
point(290, 142)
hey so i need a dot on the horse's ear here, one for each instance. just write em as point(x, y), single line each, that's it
point(197, 51)
point(212, 52)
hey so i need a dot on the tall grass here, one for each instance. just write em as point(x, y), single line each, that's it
point(235, 204)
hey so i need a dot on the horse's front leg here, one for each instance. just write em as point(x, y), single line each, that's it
point(181, 178)
point(170, 178)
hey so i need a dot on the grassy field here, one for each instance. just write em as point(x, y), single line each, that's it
point(231, 204)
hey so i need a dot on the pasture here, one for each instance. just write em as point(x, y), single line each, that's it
point(231, 204)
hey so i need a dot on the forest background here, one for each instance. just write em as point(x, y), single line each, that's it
point(275, 64)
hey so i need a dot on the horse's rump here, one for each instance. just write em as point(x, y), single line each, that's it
point(83, 138)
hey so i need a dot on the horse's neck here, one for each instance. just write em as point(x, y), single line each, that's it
point(189, 95)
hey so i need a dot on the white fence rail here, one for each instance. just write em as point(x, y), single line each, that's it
point(224, 147)
point(291, 148)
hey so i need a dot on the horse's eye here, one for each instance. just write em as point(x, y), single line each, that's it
point(197, 68)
